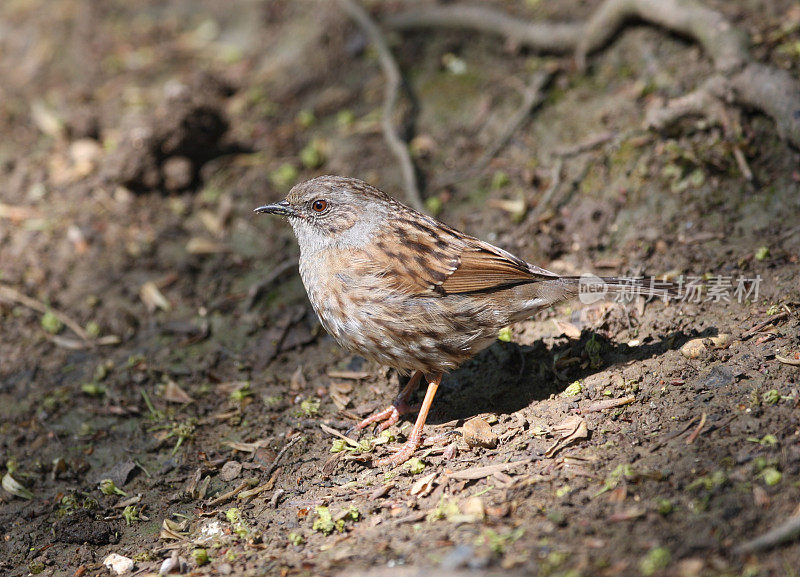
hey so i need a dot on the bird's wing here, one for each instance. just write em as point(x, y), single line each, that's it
point(424, 257)
point(485, 267)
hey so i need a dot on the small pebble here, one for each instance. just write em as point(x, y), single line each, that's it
point(478, 433)
point(118, 564)
point(457, 557)
point(230, 470)
point(178, 172)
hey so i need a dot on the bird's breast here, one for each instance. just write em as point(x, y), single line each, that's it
point(366, 313)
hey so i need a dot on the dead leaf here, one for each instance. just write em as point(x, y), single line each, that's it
point(211, 221)
point(17, 213)
point(247, 447)
point(570, 330)
point(153, 298)
point(338, 391)
point(422, 487)
point(173, 530)
point(47, 120)
point(571, 429)
point(473, 507)
point(353, 375)
point(628, 514)
point(200, 245)
point(173, 393)
point(230, 387)
point(478, 433)
point(568, 426)
point(298, 382)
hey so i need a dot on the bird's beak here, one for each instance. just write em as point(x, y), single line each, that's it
point(282, 208)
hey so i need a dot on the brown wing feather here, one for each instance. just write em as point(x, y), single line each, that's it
point(486, 267)
point(423, 256)
point(414, 255)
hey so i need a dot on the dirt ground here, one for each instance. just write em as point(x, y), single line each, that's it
point(155, 332)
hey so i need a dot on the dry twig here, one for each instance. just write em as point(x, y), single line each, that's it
point(607, 404)
point(13, 295)
point(392, 91)
point(488, 470)
point(763, 324)
point(696, 433)
point(784, 532)
point(531, 98)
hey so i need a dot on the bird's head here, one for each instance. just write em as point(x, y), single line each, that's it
point(332, 211)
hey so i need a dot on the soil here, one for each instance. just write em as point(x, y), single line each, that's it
point(137, 140)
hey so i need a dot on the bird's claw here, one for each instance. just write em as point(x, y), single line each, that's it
point(402, 454)
point(387, 417)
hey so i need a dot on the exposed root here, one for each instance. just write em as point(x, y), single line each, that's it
point(544, 37)
point(737, 79)
point(531, 98)
point(786, 531)
point(392, 91)
point(12, 295)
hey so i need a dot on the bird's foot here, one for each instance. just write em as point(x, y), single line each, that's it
point(389, 416)
point(404, 453)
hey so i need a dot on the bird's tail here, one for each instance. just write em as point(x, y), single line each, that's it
point(590, 288)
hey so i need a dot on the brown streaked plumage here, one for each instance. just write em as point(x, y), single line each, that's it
point(406, 290)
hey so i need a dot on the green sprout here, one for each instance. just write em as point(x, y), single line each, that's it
point(200, 557)
point(296, 538)
point(130, 514)
point(309, 407)
point(324, 522)
point(108, 487)
point(656, 559)
point(415, 466)
point(184, 431)
point(771, 397)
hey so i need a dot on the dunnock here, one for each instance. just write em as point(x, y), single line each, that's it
point(407, 291)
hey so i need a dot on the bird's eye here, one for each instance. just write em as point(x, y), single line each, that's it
point(319, 205)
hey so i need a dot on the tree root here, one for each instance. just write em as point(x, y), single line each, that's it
point(392, 91)
point(738, 79)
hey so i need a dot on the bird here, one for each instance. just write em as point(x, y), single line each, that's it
point(405, 290)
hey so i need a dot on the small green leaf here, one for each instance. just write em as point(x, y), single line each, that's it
point(574, 389)
point(655, 560)
point(284, 176)
point(324, 521)
point(771, 397)
point(504, 335)
point(415, 466)
point(499, 180)
point(200, 556)
point(306, 118)
point(107, 487)
point(771, 476)
point(51, 323)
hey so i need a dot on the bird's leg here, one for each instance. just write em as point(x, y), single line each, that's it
point(391, 414)
point(415, 438)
